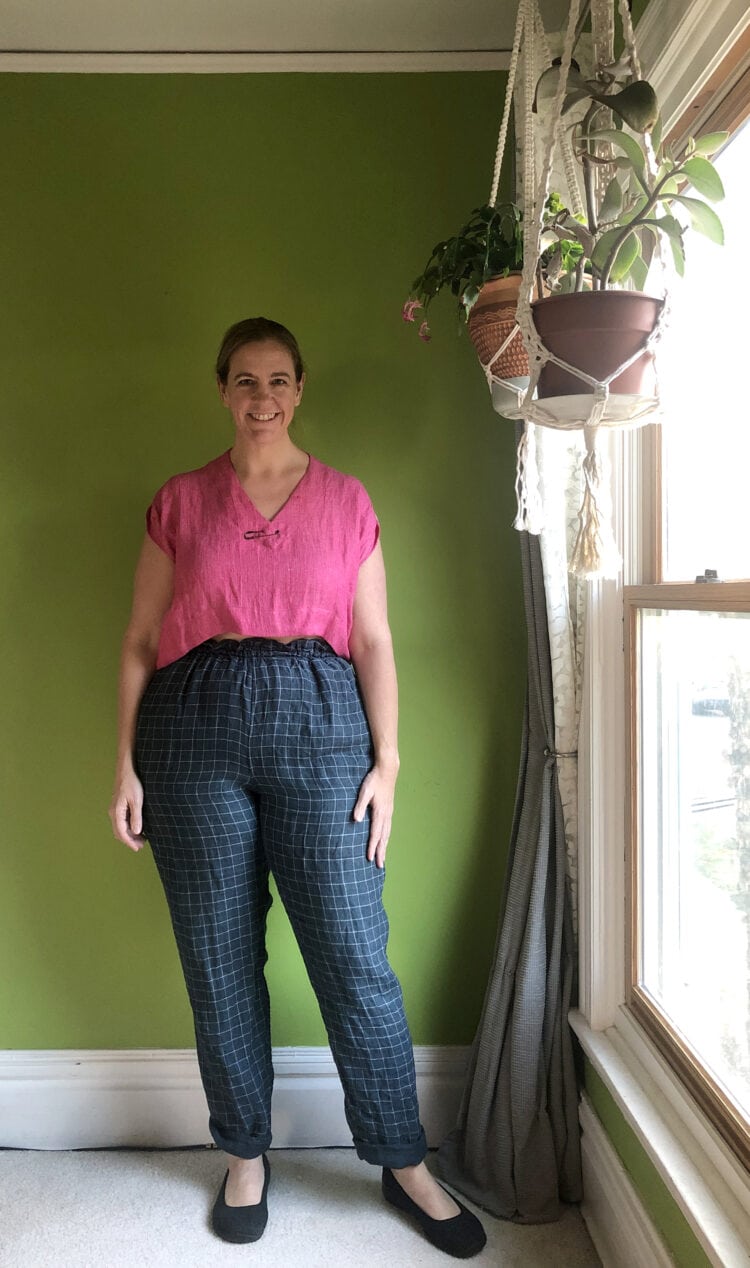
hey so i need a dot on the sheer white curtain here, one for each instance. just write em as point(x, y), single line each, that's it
point(559, 457)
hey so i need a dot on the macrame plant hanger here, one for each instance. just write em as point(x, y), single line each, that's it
point(595, 552)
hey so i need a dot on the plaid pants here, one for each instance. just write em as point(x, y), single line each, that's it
point(251, 755)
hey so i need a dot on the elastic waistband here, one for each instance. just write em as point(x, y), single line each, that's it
point(266, 647)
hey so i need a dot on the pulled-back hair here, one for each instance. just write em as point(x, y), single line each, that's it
point(256, 330)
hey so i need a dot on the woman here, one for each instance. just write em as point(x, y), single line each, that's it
point(257, 731)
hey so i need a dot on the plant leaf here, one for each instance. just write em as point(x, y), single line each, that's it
point(639, 273)
point(548, 81)
point(656, 133)
point(703, 218)
point(625, 258)
point(635, 210)
point(635, 103)
point(625, 142)
point(572, 98)
point(678, 255)
point(611, 202)
point(603, 247)
point(671, 226)
point(704, 178)
point(711, 142)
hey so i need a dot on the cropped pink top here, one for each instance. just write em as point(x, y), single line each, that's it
point(235, 571)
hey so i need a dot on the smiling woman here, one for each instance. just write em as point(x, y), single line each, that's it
point(258, 733)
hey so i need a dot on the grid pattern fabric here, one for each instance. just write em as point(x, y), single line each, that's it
point(251, 754)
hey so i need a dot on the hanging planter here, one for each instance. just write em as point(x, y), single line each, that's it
point(498, 341)
point(592, 366)
point(481, 267)
point(597, 332)
point(623, 206)
point(493, 329)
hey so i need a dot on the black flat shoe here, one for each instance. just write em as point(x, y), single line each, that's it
point(241, 1223)
point(461, 1236)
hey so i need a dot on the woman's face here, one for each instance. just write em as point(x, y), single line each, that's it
point(261, 391)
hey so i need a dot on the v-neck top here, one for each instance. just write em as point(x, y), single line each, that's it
point(235, 570)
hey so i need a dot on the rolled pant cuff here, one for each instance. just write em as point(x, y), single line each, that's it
point(393, 1156)
point(241, 1148)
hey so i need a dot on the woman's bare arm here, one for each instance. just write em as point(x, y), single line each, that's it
point(371, 650)
point(152, 595)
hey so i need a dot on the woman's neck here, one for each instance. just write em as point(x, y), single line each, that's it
point(252, 461)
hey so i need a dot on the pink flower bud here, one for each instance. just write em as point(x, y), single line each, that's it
point(424, 332)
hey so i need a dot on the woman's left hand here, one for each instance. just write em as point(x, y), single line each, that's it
point(377, 792)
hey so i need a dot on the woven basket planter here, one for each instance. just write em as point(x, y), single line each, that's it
point(491, 320)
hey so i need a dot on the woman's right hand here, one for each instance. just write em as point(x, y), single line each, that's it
point(126, 811)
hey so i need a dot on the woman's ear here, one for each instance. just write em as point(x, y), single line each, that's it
point(222, 390)
point(300, 385)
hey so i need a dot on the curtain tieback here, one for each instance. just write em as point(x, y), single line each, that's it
point(550, 752)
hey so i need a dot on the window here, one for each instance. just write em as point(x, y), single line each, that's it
point(688, 664)
point(690, 756)
point(697, 55)
point(706, 436)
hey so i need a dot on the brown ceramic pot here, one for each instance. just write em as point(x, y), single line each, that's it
point(491, 320)
point(596, 331)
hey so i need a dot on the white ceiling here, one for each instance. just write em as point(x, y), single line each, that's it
point(262, 26)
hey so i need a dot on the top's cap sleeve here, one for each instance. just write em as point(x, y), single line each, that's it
point(369, 527)
point(161, 519)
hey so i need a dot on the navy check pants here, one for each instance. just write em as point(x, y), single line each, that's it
point(251, 754)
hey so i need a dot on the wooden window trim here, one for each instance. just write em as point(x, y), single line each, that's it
point(723, 103)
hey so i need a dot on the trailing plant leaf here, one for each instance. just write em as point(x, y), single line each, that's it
point(633, 152)
point(612, 201)
point(604, 246)
point(670, 226)
point(636, 104)
point(548, 82)
point(703, 218)
point(572, 98)
point(625, 258)
point(470, 297)
point(634, 210)
point(656, 132)
point(710, 143)
point(638, 273)
point(704, 178)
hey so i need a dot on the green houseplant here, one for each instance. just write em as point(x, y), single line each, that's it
point(598, 315)
point(481, 267)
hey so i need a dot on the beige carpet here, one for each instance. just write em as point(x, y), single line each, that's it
point(126, 1208)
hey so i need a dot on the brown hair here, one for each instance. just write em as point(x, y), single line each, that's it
point(256, 330)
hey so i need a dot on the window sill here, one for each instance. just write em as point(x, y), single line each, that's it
point(710, 1187)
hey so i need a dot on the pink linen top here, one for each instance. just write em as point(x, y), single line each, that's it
point(235, 571)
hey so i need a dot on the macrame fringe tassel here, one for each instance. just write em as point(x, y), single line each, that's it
point(530, 513)
point(595, 553)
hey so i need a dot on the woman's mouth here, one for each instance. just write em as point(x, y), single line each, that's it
point(264, 418)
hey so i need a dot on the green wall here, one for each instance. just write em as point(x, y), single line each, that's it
point(144, 214)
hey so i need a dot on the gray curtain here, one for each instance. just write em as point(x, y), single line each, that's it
point(516, 1147)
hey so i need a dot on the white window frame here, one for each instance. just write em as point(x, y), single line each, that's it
point(681, 42)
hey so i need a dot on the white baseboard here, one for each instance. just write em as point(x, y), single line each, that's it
point(619, 1225)
point(67, 1099)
